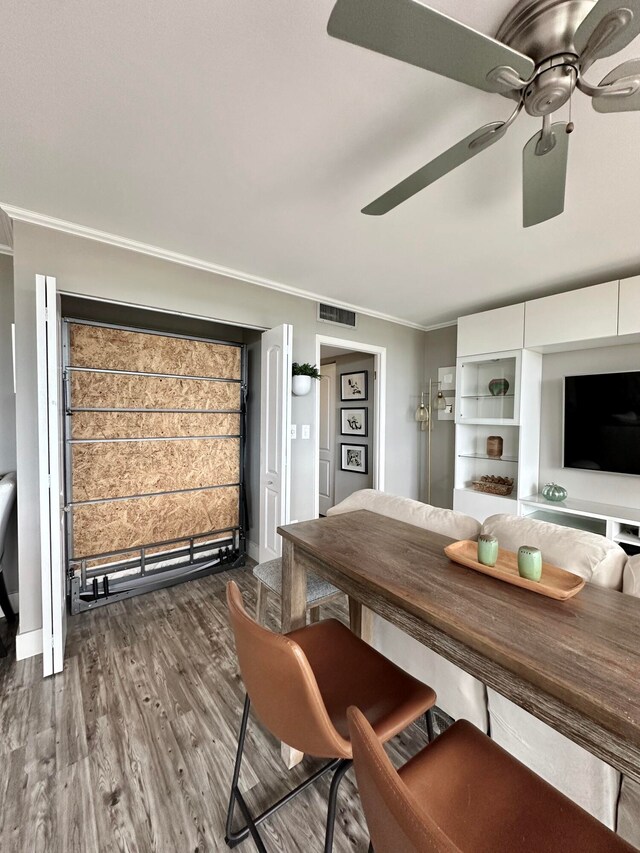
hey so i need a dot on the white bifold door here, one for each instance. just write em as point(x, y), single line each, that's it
point(275, 438)
point(51, 480)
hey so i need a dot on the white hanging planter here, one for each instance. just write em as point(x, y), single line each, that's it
point(301, 385)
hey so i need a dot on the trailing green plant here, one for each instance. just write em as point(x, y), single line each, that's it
point(305, 369)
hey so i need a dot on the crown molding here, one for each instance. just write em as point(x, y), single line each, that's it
point(34, 218)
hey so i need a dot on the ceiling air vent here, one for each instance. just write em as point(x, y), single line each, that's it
point(337, 316)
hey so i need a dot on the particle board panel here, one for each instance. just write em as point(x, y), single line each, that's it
point(116, 469)
point(121, 349)
point(90, 425)
point(121, 391)
point(113, 525)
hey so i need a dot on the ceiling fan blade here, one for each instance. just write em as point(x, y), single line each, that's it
point(609, 26)
point(445, 162)
point(625, 94)
point(411, 32)
point(544, 176)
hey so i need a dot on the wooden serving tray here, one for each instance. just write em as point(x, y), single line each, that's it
point(555, 582)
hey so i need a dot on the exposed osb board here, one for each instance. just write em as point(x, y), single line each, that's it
point(117, 349)
point(151, 424)
point(120, 468)
point(120, 391)
point(103, 527)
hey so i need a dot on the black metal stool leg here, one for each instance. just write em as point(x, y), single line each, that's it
point(230, 835)
point(341, 769)
point(3, 649)
point(429, 718)
point(5, 604)
point(250, 828)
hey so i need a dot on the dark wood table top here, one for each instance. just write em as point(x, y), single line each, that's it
point(584, 652)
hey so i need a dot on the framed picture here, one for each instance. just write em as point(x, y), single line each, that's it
point(354, 422)
point(353, 386)
point(353, 457)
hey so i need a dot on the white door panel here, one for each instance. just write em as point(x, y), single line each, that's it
point(50, 451)
point(275, 438)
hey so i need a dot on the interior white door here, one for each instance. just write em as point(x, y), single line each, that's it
point(327, 439)
point(275, 438)
point(50, 452)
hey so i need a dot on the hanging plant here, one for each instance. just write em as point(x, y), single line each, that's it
point(302, 376)
point(305, 369)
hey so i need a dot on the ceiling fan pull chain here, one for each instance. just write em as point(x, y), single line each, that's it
point(570, 125)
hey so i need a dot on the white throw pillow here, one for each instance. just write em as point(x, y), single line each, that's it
point(595, 558)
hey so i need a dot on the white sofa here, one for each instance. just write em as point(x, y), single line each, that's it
point(597, 787)
point(459, 694)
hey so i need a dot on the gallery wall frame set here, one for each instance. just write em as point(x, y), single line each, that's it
point(354, 458)
point(354, 386)
point(354, 421)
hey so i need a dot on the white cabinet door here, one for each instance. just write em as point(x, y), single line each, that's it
point(580, 315)
point(629, 314)
point(275, 438)
point(491, 331)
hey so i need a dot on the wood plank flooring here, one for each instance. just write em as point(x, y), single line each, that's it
point(132, 747)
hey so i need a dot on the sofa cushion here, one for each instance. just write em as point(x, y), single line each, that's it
point(459, 694)
point(444, 521)
point(577, 773)
point(631, 576)
point(593, 557)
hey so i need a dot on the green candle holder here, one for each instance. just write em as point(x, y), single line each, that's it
point(529, 562)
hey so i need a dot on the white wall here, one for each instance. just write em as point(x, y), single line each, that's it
point(600, 487)
point(7, 410)
point(87, 267)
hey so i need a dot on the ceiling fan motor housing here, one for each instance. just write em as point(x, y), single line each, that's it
point(545, 31)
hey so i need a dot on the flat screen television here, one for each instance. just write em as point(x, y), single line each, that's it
point(602, 422)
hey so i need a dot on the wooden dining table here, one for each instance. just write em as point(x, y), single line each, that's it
point(574, 664)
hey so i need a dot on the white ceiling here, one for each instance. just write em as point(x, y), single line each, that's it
point(238, 132)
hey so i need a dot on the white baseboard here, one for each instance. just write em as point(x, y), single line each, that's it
point(253, 550)
point(28, 644)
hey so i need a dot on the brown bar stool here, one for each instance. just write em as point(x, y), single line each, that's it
point(301, 685)
point(465, 794)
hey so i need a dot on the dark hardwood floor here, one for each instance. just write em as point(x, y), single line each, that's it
point(132, 747)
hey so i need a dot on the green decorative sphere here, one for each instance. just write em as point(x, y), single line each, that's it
point(554, 492)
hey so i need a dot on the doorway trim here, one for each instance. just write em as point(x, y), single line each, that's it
point(379, 409)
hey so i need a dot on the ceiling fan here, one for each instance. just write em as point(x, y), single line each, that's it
point(539, 56)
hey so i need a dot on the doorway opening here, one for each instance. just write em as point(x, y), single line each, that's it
point(350, 417)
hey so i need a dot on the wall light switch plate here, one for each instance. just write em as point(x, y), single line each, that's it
point(306, 431)
point(294, 430)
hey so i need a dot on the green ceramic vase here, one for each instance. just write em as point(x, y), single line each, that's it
point(487, 549)
point(529, 562)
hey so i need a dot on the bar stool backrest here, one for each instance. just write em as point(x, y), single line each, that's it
point(397, 823)
point(7, 499)
point(281, 685)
